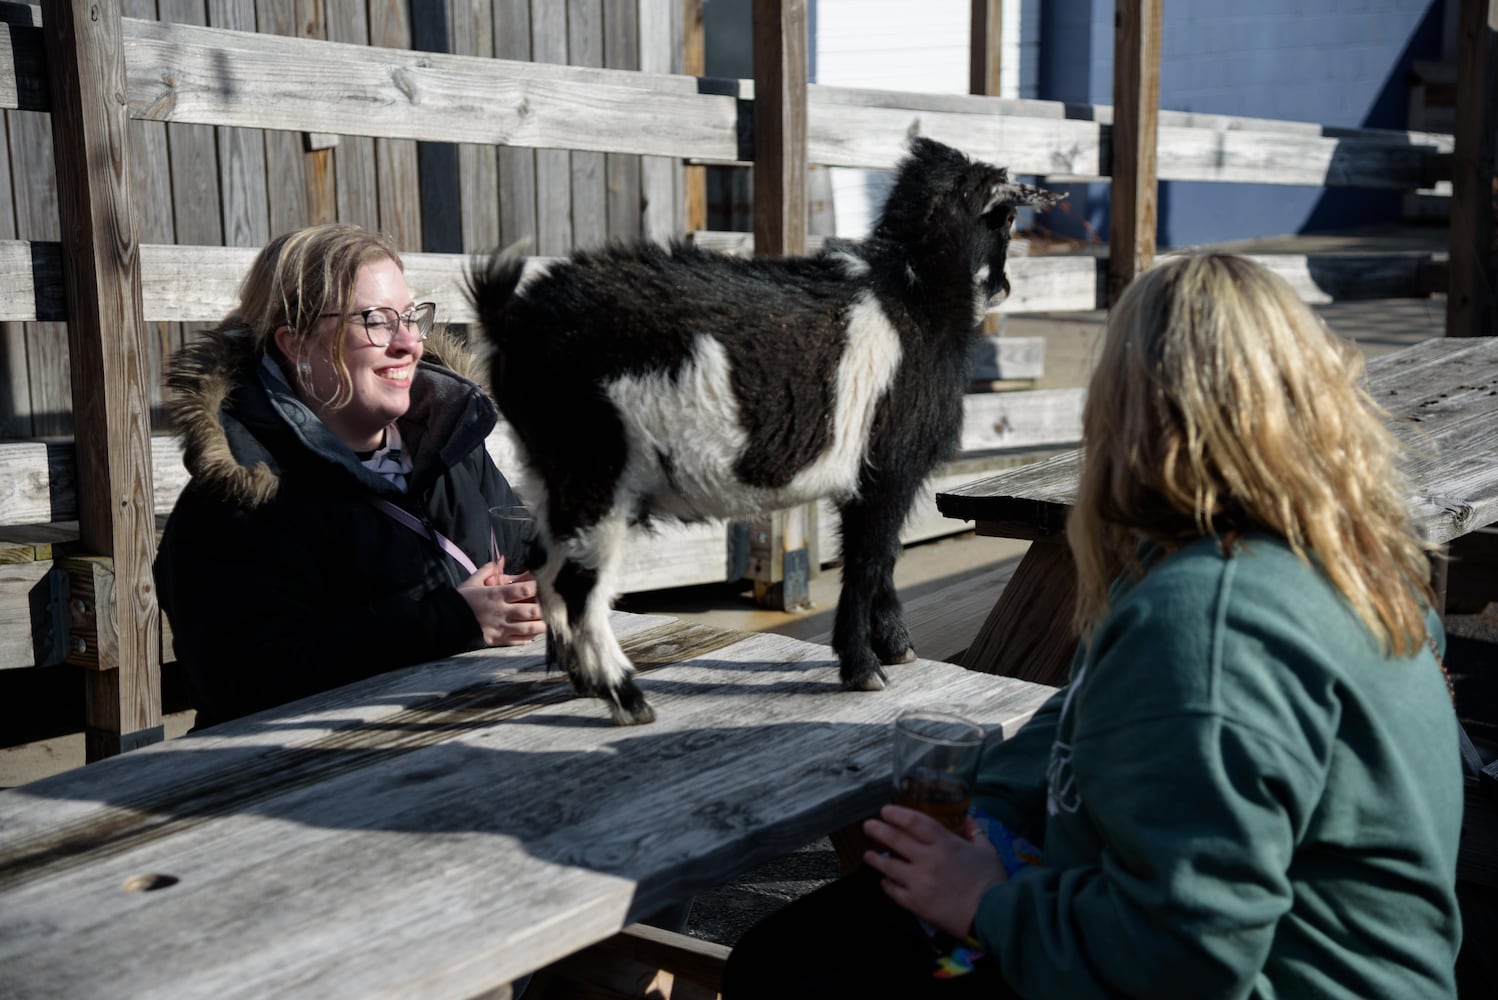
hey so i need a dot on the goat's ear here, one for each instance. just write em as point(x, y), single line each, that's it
point(1008, 192)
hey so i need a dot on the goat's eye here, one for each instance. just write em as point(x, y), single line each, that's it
point(1001, 219)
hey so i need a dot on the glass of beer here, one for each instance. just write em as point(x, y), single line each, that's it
point(507, 526)
point(936, 763)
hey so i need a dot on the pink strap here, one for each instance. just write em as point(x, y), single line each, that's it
point(411, 521)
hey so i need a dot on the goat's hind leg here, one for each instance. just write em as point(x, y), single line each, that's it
point(580, 577)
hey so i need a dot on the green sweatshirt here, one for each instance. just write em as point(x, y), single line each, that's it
point(1238, 794)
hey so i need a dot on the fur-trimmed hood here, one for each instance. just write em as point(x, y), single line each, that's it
point(242, 425)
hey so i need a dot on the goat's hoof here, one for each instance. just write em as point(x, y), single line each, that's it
point(628, 706)
point(869, 679)
point(906, 657)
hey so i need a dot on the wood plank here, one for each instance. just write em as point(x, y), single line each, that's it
point(440, 189)
point(866, 128)
point(15, 395)
point(108, 348)
point(1025, 419)
point(286, 186)
point(1133, 194)
point(478, 166)
point(36, 206)
point(1472, 293)
point(241, 153)
point(780, 127)
point(621, 50)
point(517, 167)
point(1000, 358)
point(589, 170)
point(662, 201)
point(199, 284)
point(193, 176)
point(308, 85)
point(23, 589)
point(23, 68)
point(173, 69)
point(354, 167)
point(553, 165)
point(150, 165)
point(1443, 399)
point(1029, 633)
point(985, 42)
point(693, 180)
point(481, 768)
point(395, 159)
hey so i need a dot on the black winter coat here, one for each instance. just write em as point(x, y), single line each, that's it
point(279, 576)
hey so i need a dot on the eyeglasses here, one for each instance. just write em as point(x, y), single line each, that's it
point(381, 322)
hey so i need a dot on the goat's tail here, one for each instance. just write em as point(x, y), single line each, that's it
point(490, 285)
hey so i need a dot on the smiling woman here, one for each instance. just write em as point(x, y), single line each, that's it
point(336, 524)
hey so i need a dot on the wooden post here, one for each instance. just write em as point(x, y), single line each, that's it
point(780, 127)
point(985, 37)
point(107, 338)
point(694, 63)
point(984, 42)
point(782, 576)
point(1472, 293)
point(1136, 101)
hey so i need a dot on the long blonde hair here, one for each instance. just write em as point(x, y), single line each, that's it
point(1219, 405)
point(297, 278)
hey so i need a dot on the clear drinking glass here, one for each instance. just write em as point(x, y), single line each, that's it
point(507, 526)
point(936, 763)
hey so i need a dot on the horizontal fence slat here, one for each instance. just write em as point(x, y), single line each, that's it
point(181, 73)
point(201, 284)
point(211, 76)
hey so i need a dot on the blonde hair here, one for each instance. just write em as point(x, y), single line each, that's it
point(297, 278)
point(1219, 405)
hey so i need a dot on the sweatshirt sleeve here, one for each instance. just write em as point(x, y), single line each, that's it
point(1011, 775)
point(1180, 825)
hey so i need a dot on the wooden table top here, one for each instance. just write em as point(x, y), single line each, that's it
point(1442, 394)
point(441, 830)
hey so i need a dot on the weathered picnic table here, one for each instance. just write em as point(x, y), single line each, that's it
point(1442, 395)
point(441, 830)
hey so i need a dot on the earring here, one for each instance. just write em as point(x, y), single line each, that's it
point(304, 368)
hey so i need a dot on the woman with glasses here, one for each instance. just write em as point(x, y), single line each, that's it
point(336, 523)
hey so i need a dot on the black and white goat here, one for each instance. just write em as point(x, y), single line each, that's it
point(651, 382)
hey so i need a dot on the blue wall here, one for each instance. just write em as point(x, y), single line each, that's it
point(1335, 62)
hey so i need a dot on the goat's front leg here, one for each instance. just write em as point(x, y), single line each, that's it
point(577, 588)
point(869, 631)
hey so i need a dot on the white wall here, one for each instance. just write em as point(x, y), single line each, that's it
point(917, 45)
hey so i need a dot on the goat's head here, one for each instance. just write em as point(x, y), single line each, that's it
point(952, 211)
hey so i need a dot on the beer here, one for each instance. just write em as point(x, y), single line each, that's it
point(943, 797)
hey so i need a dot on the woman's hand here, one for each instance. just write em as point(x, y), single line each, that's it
point(931, 871)
point(504, 605)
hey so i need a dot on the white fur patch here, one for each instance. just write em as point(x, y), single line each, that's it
point(868, 366)
point(980, 295)
point(694, 418)
point(853, 265)
point(600, 659)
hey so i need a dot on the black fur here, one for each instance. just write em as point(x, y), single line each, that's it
point(676, 331)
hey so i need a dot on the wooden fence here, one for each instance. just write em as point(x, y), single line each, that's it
point(212, 184)
point(107, 82)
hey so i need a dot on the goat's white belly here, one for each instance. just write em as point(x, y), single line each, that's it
point(686, 437)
